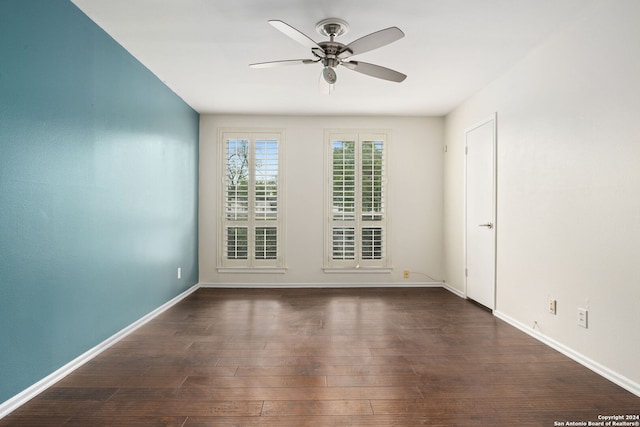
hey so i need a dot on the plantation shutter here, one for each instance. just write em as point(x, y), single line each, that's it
point(252, 221)
point(372, 212)
point(357, 192)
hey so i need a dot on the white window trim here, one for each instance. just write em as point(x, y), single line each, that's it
point(277, 266)
point(358, 270)
point(253, 270)
point(330, 266)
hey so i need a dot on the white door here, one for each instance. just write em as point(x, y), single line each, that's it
point(480, 218)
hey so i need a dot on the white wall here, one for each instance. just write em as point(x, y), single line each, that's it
point(568, 187)
point(415, 198)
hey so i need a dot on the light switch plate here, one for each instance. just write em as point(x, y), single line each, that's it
point(583, 317)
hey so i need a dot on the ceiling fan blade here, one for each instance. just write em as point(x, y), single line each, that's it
point(298, 36)
point(272, 64)
point(375, 71)
point(372, 41)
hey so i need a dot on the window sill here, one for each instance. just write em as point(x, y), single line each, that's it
point(365, 270)
point(257, 270)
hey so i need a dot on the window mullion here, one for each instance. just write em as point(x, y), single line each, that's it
point(252, 203)
point(358, 217)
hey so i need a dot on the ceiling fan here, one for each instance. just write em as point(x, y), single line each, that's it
point(330, 54)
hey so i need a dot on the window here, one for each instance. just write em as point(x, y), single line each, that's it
point(356, 201)
point(252, 215)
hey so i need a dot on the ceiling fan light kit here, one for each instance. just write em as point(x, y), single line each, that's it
point(331, 54)
point(329, 75)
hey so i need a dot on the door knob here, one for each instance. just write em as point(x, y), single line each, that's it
point(488, 225)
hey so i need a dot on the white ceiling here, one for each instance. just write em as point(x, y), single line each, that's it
point(452, 48)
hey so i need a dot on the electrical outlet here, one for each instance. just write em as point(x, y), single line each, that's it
point(179, 272)
point(405, 274)
point(552, 306)
point(583, 316)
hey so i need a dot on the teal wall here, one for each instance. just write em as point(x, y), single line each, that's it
point(98, 189)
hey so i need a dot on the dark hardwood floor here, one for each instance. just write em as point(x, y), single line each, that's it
point(326, 357)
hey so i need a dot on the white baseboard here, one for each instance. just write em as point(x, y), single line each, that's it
point(596, 367)
point(454, 290)
point(37, 388)
point(321, 285)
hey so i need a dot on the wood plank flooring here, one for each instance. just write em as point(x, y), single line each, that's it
point(326, 357)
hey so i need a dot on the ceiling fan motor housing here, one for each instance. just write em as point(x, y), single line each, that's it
point(331, 50)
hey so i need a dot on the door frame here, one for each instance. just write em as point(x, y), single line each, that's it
point(492, 117)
